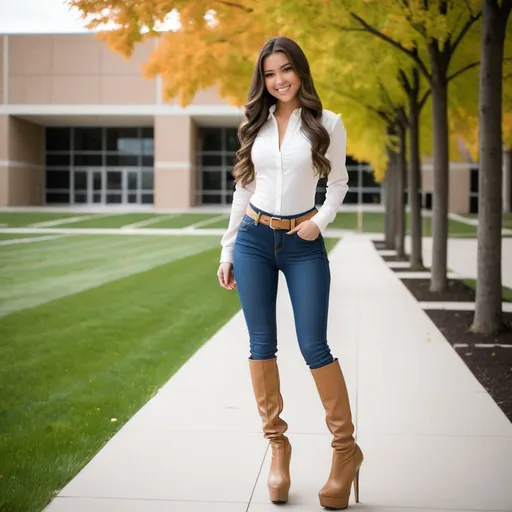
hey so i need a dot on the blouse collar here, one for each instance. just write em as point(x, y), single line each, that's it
point(272, 109)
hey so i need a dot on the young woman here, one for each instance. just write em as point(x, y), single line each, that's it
point(288, 141)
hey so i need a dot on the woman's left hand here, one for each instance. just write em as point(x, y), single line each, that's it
point(307, 230)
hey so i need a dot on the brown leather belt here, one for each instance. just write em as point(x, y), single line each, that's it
point(277, 222)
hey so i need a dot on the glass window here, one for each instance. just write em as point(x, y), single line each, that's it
point(80, 160)
point(474, 180)
point(212, 199)
point(88, 139)
point(81, 197)
point(147, 181)
point(57, 197)
point(80, 180)
point(230, 181)
point(58, 139)
point(211, 160)
point(57, 179)
point(473, 204)
point(122, 161)
point(114, 198)
point(351, 198)
point(231, 160)
point(210, 139)
point(57, 160)
point(148, 161)
point(369, 179)
point(371, 197)
point(148, 141)
point(124, 140)
point(212, 180)
point(353, 177)
point(114, 180)
point(232, 143)
point(147, 199)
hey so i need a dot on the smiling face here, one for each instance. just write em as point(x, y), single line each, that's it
point(280, 79)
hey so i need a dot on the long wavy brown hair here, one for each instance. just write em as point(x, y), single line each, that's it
point(260, 100)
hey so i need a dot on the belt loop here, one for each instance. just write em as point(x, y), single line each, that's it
point(258, 218)
point(293, 223)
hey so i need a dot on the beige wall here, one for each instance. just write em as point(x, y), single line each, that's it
point(1, 69)
point(76, 69)
point(21, 162)
point(174, 162)
point(459, 182)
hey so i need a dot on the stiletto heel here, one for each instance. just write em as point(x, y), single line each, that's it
point(356, 486)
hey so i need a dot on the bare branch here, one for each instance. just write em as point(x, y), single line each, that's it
point(423, 100)
point(395, 44)
point(462, 70)
point(402, 77)
point(465, 28)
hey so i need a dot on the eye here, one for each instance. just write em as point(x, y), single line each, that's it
point(268, 75)
point(288, 69)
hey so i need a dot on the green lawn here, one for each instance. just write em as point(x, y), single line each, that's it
point(14, 236)
point(506, 293)
point(113, 220)
point(115, 317)
point(18, 219)
point(506, 219)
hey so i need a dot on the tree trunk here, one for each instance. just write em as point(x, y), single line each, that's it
point(400, 188)
point(488, 310)
point(441, 166)
point(414, 182)
point(507, 181)
point(391, 197)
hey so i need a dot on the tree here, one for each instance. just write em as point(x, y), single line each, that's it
point(488, 312)
point(439, 27)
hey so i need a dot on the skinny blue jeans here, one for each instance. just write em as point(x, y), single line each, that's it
point(260, 253)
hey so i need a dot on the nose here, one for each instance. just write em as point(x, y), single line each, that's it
point(279, 80)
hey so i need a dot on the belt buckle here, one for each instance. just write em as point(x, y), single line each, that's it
point(271, 219)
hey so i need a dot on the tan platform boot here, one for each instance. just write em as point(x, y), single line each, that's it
point(265, 383)
point(347, 456)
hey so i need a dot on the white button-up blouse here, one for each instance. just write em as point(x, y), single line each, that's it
point(285, 182)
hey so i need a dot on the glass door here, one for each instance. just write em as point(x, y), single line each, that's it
point(132, 188)
point(115, 187)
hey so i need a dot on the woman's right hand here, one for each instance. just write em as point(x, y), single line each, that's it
point(226, 277)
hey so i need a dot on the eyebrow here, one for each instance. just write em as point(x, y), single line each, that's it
point(284, 65)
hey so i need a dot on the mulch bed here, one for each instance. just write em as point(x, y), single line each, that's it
point(379, 244)
point(457, 291)
point(491, 366)
point(394, 258)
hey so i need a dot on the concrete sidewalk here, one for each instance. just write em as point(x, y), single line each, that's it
point(462, 257)
point(431, 435)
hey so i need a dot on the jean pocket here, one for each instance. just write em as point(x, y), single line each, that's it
point(246, 223)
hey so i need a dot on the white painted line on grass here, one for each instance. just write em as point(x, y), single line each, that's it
point(147, 222)
point(67, 220)
point(481, 345)
point(16, 241)
point(207, 222)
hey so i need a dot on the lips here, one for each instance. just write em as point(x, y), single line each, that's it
point(283, 90)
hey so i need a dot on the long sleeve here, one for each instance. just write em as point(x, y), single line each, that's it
point(337, 181)
point(241, 198)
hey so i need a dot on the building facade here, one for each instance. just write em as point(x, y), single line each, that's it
point(80, 126)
